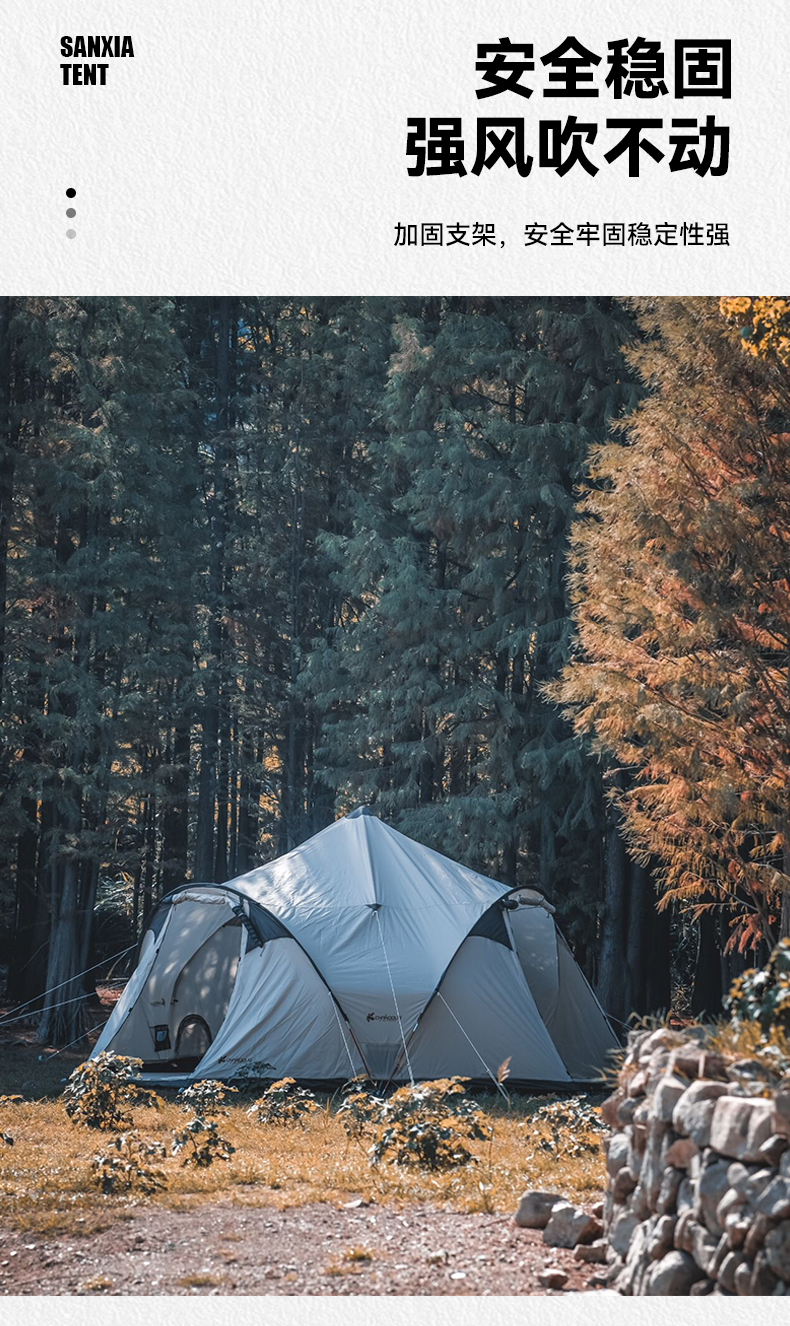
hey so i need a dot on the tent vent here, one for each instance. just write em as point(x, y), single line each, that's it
point(491, 925)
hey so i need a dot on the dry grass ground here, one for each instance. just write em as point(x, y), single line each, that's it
point(47, 1187)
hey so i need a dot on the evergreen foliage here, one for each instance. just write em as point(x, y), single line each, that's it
point(455, 563)
point(264, 559)
point(682, 610)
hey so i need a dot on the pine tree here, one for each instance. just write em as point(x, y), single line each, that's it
point(433, 686)
point(681, 604)
point(265, 558)
point(93, 531)
point(324, 364)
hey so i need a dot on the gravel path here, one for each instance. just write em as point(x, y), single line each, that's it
point(218, 1248)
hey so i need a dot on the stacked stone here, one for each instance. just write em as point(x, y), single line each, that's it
point(698, 1172)
point(564, 1226)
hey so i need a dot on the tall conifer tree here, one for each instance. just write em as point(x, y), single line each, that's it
point(681, 594)
point(436, 712)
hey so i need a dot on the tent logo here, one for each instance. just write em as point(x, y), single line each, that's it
point(381, 1017)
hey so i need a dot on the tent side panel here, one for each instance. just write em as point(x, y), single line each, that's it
point(281, 1014)
point(148, 1000)
point(579, 1028)
point(484, 991)
point(535, 936)
point(572, 1014)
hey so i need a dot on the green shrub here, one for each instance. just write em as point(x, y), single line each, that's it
point(253, 1075)
point(283, 1102)
point(206, 1098)
point(200, 1143)
point(100, 1091)
point(763, 995)
point(568, 1127)
point(429, 1125)
point(128, 1165)
point(359, 1111)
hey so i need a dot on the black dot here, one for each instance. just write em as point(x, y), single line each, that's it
point(71, 193)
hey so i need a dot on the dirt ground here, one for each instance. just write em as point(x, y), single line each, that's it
point(316, 1249)
point(205, 1244)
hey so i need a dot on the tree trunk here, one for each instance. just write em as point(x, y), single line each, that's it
point(611, 966)
point(639, 903)
point(658, 949)
point(62, 1019)
point(247, 831)
point(784, 920)
point(223, 795)
point(7, 468)
point(233, 852)
point(175, 818)
point(648, 947)
point(706, 994)
point(207, 784)
point(21, 957)
point(292, 774)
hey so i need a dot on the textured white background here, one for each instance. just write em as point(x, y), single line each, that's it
point(601, 1309)
point(258, 146)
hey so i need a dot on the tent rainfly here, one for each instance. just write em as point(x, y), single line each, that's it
point(360, 952)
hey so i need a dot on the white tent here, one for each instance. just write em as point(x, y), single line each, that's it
point(360, 952)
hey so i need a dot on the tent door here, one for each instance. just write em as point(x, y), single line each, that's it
point(202, 992)
point(192, 1040)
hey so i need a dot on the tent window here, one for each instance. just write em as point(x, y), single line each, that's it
point(161, 1036)
point(158, 919)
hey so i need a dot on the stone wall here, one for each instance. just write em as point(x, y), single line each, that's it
point(698, 1164)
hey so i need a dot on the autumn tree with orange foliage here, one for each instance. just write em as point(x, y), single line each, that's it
point(681, 586)
point(764, 323)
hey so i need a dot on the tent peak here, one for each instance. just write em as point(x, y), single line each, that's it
point(360, 810)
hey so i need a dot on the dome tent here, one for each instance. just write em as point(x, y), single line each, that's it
point(361, 951)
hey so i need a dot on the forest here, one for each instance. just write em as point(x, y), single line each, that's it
point(513, 572)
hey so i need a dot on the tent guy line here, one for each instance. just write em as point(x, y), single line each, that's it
point(493, 1076)
point(105, 962)
point(394, 996)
